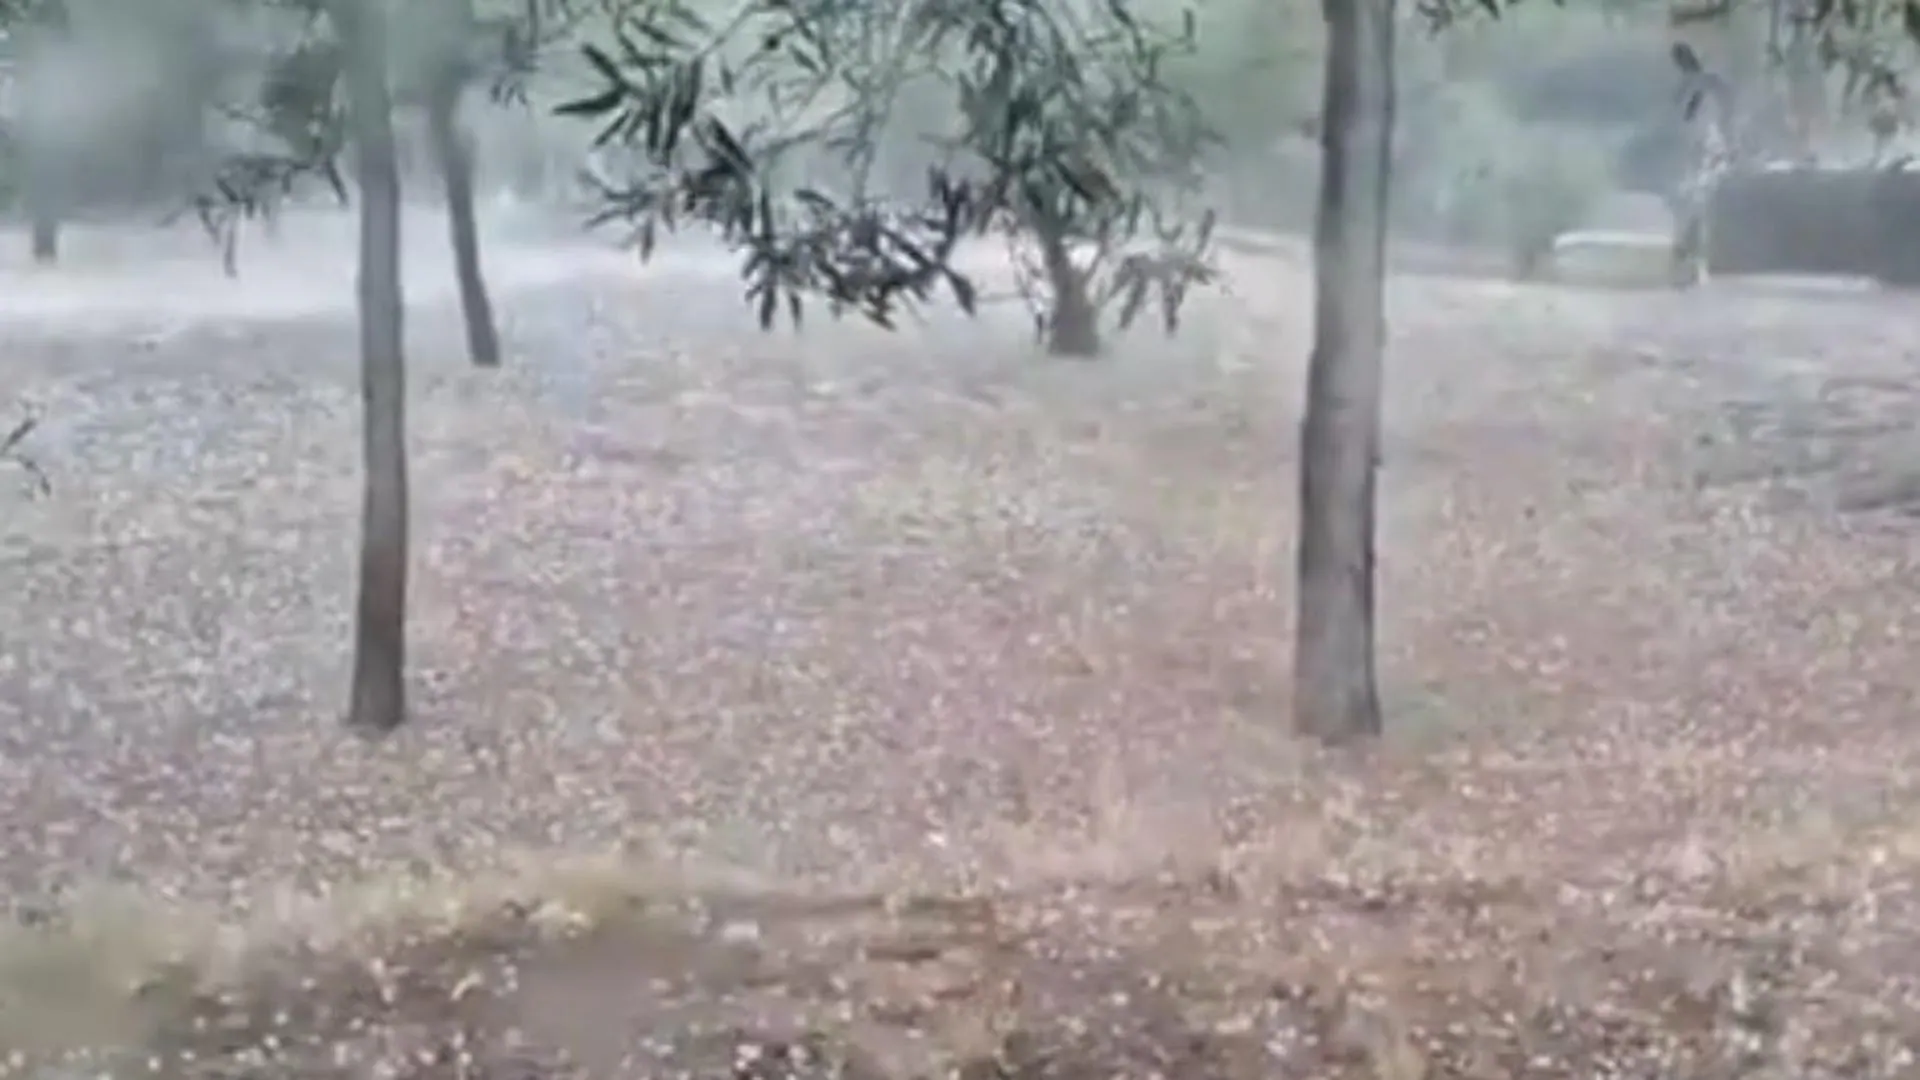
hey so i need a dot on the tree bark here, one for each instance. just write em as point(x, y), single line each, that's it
point(1073, 323)
point(1335, 694)
point(46, 234)
point(453, 158)
point(41, 193)
point(378, 698)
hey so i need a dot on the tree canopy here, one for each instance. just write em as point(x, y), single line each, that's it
point(1063, 124)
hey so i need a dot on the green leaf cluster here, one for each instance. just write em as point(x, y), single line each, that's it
point(1062, 121)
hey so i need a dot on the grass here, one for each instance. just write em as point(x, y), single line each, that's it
point(933, 722)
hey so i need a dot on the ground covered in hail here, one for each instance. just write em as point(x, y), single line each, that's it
point(865, 705)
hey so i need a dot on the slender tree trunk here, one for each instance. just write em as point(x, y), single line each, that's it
point(378, 701)
point(46, 232)
point(1073, 324)
point(453, 157)
point(41, 194)
point(1335, 696)
point(1805, 76)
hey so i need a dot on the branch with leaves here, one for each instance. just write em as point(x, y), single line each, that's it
point(283, 115)
point(506, 49)
point(11, 449)
point(1064, 136)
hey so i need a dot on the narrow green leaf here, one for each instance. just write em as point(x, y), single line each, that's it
point(964, 293)
point(769, 298)
point(604, 64)
point(593, 105)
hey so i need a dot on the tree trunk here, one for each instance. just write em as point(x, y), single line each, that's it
point(41, 192)
point(453, 157)
point(46, 233)
point(1805, 76)
point(1073, 323)
point(378, 702)
point(1335, 696)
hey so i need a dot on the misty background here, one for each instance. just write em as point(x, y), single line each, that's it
point(1553, 119)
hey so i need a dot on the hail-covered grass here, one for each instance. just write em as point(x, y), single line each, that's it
point(897, 705)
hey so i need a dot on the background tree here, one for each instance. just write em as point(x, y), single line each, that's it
point(1063, 137)
point(1255, 74)
point(37, 34)
point(447, 70)
point(114, 103)
point(441, 50)
point(450, 49)
point(285, 120)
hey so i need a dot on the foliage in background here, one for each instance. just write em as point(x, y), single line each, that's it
point(267, 76)
point(1472, 173)
point(234, 99)
point(1471, 166)
point(225, 108)
point(287, 118)
point(1255, 70)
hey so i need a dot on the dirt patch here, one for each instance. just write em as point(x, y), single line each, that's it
point(609, 968)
